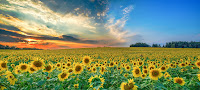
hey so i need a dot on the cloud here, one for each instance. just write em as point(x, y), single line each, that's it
point(116, 27)
point(85, 22)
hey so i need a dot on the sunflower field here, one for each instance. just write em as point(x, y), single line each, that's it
point(101, 69)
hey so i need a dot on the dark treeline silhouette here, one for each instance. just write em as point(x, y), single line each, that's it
point(182, 44)
point(15, 48)
point(140, 45)
point(173, 44)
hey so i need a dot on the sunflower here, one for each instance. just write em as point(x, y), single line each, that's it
point(136, 72)
point(96, 81)
point(96, 65)
point(197, 63)
point(134, 63)
point(128, 68)
point(70, 70)
point(128, 86)
point(94, 69)
point(62, 76)
point(102, 70)
point(163, 68)
point(23, 67)
point(88, 68)
point(125, 75)
point(166, 75)
point(152, 67)
point(17, 71)
point(38, 64)
point(86, 60)
point(31, 70)
point(111, 64)
point(182, 65)
point(140, 63)
point(48, 68)
point(58, 65)
point(12, 65)
point(179, 81)
point(3, 65)
point(144, 67)
point(76, 85)
point(11, 78)
point(143, 76)
point(118, 68)
point(78, 68)
point(131, 84)
point(68, 64)
point(154, 74)
point(145, 71)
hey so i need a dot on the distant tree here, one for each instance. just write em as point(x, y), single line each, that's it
point(156, 45)
point(139, 45)
point(182, 44)
point(7, 47)
point(2, 46)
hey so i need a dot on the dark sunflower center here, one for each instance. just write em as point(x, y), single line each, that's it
point(163, 68)
point(151, 68)
point(126, 87)
point(58, 65)
point(23, 67)
point(179, 81)
point(88, 68)
point(70, 70)
point(63, 75)
point(76, 86)
point(37, 63)
point(68, 64)
point(32, 69)
point(48, 68)
point(137, 71)
point(111, 64)
point(127, 67)
point(78, 68)
point(94, 69)
point(145, 67)
point(145, 71)
point(102, 69)
point(198, 63)
point(155, 73)
point(86, 60)
point(3, 65)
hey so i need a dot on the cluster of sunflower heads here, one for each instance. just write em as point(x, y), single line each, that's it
point(10, 77)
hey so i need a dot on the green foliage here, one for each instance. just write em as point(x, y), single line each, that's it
point(139, 45)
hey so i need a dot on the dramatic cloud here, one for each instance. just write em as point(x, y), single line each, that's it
point(52, 22)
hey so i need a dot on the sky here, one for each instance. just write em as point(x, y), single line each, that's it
point(63, 24)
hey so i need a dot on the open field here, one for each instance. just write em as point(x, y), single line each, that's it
point(101, 68)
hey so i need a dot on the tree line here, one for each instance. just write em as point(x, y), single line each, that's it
point(16, 48)
point(173, 44)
